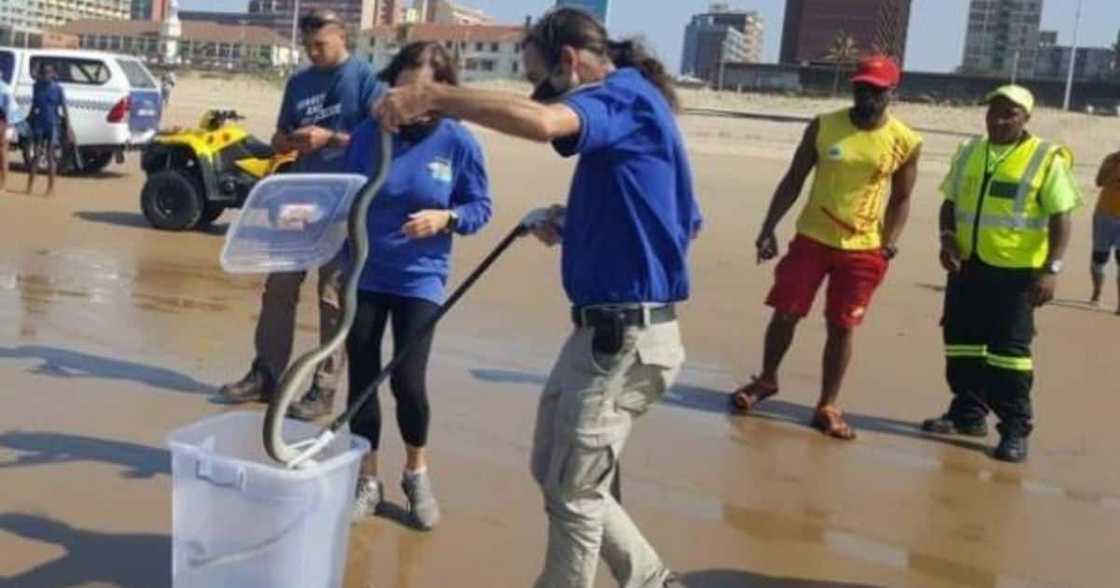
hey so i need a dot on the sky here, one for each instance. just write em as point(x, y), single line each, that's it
point(936, 40)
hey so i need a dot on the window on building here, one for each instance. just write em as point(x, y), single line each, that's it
point(495, 47)
point(487, 65)
point(480, 46)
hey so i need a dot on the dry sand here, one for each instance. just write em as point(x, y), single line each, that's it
point(113, 334)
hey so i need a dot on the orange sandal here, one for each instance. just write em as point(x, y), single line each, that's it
point(830, 421)
point(744, 400)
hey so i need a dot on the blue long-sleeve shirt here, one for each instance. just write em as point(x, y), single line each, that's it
point(444, 171)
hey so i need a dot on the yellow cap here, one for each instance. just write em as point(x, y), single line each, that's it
point(1017, 94)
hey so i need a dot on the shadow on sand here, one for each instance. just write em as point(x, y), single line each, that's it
point(42, 449)
point(716, 402)
point(742, 579)
point(68, 364)
point(91, 558)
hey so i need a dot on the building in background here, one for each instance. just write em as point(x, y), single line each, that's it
point(718, 37)
point(449, 13)
point(812, 26)
point(38, 16)
point(600, 9)
point(1003, 37)
point(147, 9)
point(199, 44)
point(484, 52)
point(1093, 63)
point(389, 12)
point(277, 14)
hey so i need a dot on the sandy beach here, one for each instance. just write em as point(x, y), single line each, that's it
point(112, 334)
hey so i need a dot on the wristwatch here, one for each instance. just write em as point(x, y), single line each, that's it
point(452, 222)
point(1054, 267)
point(890, 252)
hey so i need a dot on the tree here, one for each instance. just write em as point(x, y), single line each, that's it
point(844, 50)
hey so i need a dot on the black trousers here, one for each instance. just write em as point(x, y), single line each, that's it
point(988, 326)
point(408, 381)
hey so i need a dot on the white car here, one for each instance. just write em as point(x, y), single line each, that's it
point(114, 100)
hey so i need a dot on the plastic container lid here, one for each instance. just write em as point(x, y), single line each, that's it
point(289, 223)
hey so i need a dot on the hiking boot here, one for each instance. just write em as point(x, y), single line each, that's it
point(256, 386)
point(1012, 448)
point(367, 499)
point(314, 405)
point(422, 503)
point(943, 425)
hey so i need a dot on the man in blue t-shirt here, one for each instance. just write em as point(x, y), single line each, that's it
point(322, 105)
point(626, 230)
point(49, 117)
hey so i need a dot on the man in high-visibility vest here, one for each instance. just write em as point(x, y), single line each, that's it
point(1005, 225)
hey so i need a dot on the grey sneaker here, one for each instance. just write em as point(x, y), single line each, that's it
point(368, 498)
point(422, 503)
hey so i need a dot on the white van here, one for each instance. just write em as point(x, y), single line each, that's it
point(114, 101)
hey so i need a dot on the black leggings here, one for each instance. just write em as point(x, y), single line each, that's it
point(408, 381)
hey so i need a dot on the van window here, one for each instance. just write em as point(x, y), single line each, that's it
point(73, 70)
point(136, 73)
point(7, 66)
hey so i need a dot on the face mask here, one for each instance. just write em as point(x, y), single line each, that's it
point(548, 91)
point(417, 132)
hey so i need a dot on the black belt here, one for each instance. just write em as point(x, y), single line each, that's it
point(625, 315)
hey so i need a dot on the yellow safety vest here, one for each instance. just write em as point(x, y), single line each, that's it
point(999, 214)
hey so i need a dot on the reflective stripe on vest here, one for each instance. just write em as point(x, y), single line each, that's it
point(1012, 233)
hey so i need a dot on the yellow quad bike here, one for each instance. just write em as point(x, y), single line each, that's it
point(195, 174)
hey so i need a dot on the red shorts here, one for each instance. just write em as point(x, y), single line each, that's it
point(853, 277)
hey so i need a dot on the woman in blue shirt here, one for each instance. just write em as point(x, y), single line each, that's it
point(437, 187)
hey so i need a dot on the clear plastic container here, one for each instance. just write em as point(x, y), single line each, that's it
point(241, 521)
point(291, 222)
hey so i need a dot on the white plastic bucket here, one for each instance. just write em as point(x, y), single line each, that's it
point(241, 521)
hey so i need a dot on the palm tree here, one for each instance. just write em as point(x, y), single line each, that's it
point(844, 50)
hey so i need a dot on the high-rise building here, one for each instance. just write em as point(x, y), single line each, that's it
point(812, 26)
point(1003, 37)
point(720, 36)
point(600, 9)
point(41, 15)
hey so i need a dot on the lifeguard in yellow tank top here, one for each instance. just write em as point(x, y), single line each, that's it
point(853, 181)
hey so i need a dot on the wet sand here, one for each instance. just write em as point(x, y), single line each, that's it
point(113, 334)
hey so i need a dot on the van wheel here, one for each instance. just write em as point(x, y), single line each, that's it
point(94, 162)
point(171, 201)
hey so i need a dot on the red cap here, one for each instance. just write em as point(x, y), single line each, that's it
point(878, 70)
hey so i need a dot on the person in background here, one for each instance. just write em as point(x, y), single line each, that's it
point(866, 163)
point(627, 230)
point(166, 85)
point(7, 109)
point(1106, 226)
point(49, 117)
point(437, 188)
point(1005, 226)
point(322, 105)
